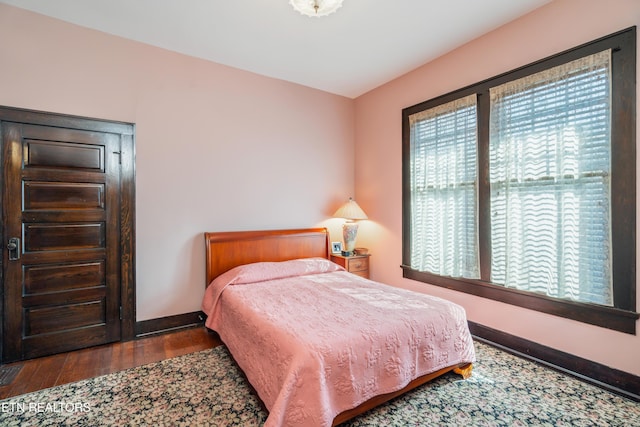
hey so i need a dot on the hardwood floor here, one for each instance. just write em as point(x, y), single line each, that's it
point(49, 371)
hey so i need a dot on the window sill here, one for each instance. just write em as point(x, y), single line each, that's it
point(606, 317)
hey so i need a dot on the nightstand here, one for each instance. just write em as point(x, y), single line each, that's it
point(356, 264)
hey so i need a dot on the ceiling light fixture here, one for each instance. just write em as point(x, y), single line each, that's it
point(316, 8)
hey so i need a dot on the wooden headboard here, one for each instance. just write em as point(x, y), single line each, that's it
point(229, 249)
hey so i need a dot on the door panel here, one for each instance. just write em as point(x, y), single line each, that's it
point(56, 237)
point(63, 195)
point(62, 201)
point(69, 316)
point(66, 155)
point(43, 344)
point(48, 278)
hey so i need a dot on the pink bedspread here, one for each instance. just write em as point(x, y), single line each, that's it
point(315, 340)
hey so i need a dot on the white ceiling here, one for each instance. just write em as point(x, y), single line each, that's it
point(363, 45)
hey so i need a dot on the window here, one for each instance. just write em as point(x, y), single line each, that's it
point(521, 188)
point(444, 185)
point(549, 167)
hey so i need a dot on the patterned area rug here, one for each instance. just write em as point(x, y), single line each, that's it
point(207, 389)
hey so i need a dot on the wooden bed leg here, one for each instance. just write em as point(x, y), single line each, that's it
point(464, 370)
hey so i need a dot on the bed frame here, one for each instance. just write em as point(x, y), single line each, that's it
point(233, 248)
point(227, 250)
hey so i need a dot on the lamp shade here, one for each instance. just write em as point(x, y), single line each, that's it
point(350, 210)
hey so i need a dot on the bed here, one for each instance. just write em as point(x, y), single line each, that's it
point(318, 344)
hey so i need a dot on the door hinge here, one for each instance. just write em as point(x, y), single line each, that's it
point(120, 312)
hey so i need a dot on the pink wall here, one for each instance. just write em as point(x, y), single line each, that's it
point(221, 149)
point(560, 25)
point(217, 148)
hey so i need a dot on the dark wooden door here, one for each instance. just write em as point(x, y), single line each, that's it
point(61, 229)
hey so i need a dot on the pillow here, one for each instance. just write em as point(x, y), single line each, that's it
point(263, 271)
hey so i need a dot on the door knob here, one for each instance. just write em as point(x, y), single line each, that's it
point(14, 248)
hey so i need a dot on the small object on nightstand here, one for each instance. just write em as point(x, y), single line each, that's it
point(361, 251)
point(356, 264)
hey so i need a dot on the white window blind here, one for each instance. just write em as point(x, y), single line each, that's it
point(550, 145)
point(443, 168)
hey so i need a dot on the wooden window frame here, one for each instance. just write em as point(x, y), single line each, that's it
point(622, 316)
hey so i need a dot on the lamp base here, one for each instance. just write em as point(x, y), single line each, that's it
point(349, 232)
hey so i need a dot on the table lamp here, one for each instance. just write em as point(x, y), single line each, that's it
point(351, 212)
